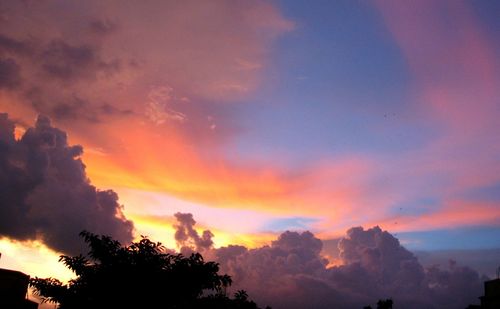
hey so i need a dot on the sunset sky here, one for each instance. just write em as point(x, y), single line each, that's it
point(264, 116)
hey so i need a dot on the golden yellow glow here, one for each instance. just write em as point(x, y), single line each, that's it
point(33, 258)
point(155, 230)
point(161, 229)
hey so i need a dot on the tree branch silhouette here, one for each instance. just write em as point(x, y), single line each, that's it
point(142, 275)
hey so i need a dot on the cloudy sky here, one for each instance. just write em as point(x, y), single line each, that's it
point(256, 117)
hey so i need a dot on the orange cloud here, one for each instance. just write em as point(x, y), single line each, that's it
point(164, 160)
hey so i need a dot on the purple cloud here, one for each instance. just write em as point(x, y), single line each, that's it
point(45, 193)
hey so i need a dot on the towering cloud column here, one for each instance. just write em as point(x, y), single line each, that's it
point(45, 193)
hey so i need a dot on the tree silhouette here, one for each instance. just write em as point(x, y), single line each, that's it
point(382, 304)
point(141, 275)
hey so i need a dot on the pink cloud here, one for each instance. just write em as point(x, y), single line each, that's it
point(454, 66)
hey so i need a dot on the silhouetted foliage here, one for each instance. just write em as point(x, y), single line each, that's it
point(382, 304)
point(141, 275)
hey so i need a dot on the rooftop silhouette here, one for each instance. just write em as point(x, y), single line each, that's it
point(13, 290)
point(491, 298)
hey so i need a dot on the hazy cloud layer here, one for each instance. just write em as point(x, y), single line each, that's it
point(485, 261)
point(292, 273)
point(45, 193)
point(101, 53)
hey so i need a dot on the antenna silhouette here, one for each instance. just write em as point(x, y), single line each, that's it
point(498, 272)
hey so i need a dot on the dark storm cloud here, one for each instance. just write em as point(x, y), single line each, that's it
point(109, 109)
point(71, 107)
point(57, 70)
point(102, 27)
point(60, 59)
point(291, 273)
point(9, 74)
point(67, 62)
point(14, 46)
point(53, 71)
point(45, 193)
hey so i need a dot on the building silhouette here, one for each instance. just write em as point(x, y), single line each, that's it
point(14, 289)
point(491, 298)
